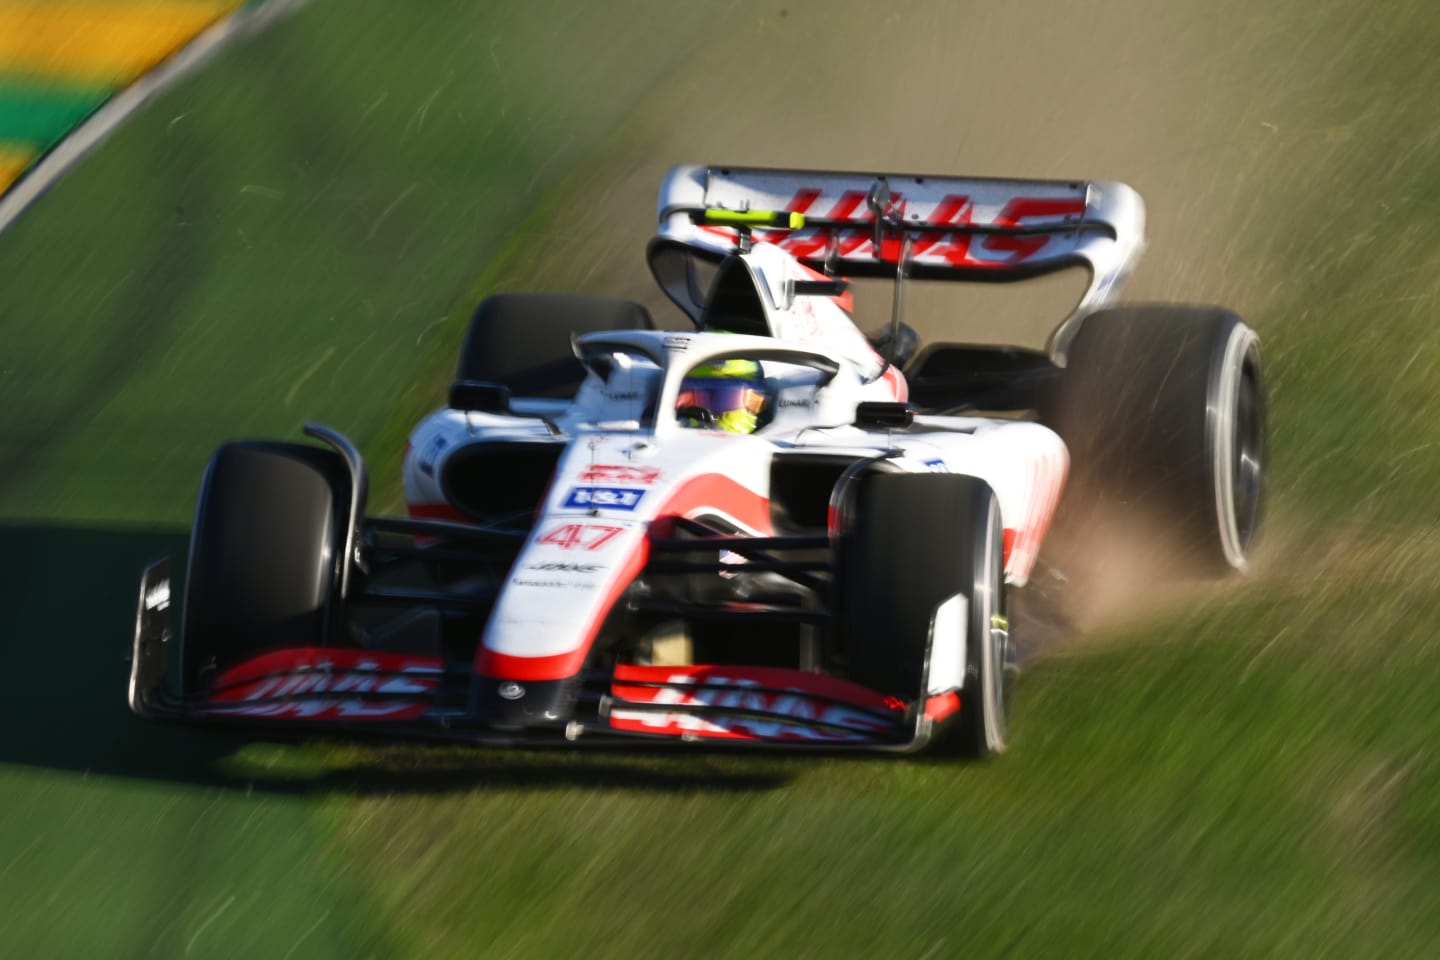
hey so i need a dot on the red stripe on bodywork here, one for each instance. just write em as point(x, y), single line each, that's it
point(436, 511)
point(939, 707)
point(504, 666)
point(718, 492)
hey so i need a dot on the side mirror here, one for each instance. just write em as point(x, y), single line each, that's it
point(894, 416)
point(479, 396)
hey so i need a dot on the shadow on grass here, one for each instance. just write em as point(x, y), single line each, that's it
point(68, 598)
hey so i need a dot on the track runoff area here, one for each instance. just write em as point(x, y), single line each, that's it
point(71, 72)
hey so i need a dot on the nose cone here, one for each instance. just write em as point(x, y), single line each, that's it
point(522, 705)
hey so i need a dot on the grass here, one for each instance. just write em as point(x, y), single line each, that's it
point(1250, 774)
point(276, 240)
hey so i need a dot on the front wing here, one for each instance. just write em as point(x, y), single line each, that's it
point(350, 691)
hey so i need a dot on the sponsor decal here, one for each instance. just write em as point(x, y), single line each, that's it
point(792, 709)
point(603, 498)
point(552, 584)
point(318, 692)
point(328, 710)
point(677, 344)
point(620, 473)
point(936, 466)
point(431, 453)
point(560, 566)
point(795, 403)
point(364, 678)
point(617, 395)
point(580, 536)
point(937, 246)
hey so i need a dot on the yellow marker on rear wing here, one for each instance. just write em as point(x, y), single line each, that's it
point(754, 218)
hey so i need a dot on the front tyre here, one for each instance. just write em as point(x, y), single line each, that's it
point(265, 555)
point(923, 602)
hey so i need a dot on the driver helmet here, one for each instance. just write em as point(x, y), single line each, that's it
point(730, 395)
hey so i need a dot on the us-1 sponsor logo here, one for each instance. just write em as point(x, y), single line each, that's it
point(936, 466)
point(580, 536)
point(620, 473)
point(603, 498)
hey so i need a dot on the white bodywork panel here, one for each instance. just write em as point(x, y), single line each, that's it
point(624, 467)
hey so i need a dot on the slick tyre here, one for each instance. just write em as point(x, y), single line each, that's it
point(923, 601)
point(521, 341)
point(1163, 411)
point(264, 555)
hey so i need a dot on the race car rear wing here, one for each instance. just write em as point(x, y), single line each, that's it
point(895, 225)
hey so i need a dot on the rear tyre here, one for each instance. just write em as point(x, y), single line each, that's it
point(522, 340)
point(922, 600)
point(264, 554)
point(1163, 411)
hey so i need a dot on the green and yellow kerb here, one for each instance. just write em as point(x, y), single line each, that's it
point(61, 60)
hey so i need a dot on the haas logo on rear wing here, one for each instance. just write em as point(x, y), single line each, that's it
point(947, 228)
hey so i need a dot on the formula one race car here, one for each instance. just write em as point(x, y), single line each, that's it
point(770, 530)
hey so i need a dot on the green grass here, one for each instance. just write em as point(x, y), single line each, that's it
point(1251, 774)
point(278, 239)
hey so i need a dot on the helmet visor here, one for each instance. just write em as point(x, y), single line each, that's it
point(722, 396)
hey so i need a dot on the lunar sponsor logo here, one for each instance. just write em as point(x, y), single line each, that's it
point(603, 498)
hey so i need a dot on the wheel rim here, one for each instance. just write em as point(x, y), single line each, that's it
point(1236, 435)
point(996, 685)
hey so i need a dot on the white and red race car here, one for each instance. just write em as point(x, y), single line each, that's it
point(770, 530)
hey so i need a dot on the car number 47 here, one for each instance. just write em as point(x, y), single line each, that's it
point(581, 536)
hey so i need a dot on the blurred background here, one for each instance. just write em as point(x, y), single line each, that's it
point(223, 219)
